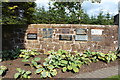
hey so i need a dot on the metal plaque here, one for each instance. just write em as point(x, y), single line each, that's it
point(96, 31)
point(96, 38)
point(31, 36)
point(65, 37)
point(81, 37)
point(81, 31)
point(47, 32)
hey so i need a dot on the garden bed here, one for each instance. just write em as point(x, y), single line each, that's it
point(13, 64)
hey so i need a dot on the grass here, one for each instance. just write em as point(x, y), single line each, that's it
point(115, 77)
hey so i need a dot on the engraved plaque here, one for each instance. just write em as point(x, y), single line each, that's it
point(47, 32)
point(65, 37)
point(31, 36)
point(81, 31)
point(96, 38)
point(81, 37)
point(96, 31)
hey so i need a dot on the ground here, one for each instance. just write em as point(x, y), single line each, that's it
point(13, 64)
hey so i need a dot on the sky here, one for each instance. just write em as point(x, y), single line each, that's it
point(92, 9)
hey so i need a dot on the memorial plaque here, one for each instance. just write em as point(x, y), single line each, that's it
point(96, 31)
point(81, 37)
point(81, 31)
point(96, 38)
point(65, 31)
point(47, 32)
point(31, 36)
point(65, 37)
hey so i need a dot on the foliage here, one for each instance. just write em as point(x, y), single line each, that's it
point(10, 54)
point(22, 73)
point(3, 70)
point(18, 12)
point(32, 63)
point(28, 53)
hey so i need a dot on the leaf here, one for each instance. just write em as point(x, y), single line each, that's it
point(1, 72)
point(36, 59)
point(45, 64)
point(44, 74)
point(54, 72)
point(39, 70)
point(69, 67)
point(64, 61)
point(75, 69)
point(28, 72)
point(16, 75)
point(64, 69)
point(49, 75)
point(38, 66)
point(19, 69)
point(50, 67)
point(24, 60)
point(24, 75)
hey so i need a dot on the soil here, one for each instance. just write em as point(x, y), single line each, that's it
point(13, 64)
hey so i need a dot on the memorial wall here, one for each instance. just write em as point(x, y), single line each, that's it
point(71, 37)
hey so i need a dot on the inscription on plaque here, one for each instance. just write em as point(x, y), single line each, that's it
point(81, 31)
point(96, 31)
point(65, 37)
point(81, 37)
point(47, 32)
point(31, 36)
point(96, 38)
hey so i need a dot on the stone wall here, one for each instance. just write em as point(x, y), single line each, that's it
point(71, 37)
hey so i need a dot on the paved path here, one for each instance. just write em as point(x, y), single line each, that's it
point(101, 73)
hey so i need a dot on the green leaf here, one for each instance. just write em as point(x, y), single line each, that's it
point(28, 72)
point(44, 74)
point(54, 72)
point(16, 75)
point(38, 66)
point(23, 71)
point(64, 69)
point(1, 72)
point(36, 59)
point(24, 75)
point(45, 64)
point(75, 69)
point(49, 74)
point(19, 69)
point(69, 67)
point(64, 61)
point(24, 60)
point(39, 70)
point(50, 67)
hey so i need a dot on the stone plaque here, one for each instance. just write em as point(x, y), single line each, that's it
point(65, 37)
point(81, 37)
point(81, 31)
point(31, 36)
point(96, 38)
point(47, 32)
point(96, 31)
point(65, 31)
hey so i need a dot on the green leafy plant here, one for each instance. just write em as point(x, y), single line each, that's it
point(3, 70)
point(22, 73)
point(10, 54)
point(32, 63)
point(26, 54)
point(46, 71)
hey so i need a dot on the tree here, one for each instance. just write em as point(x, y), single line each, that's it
point(18, 12)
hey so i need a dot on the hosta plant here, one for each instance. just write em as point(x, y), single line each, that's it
point(3, 70)
point(46, 71)
point(26, 54)
point(22, 73)
point(33, 62)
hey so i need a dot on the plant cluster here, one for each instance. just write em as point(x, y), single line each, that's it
point(28, 53)
point(10, 54)
point(3, 70)
point(22, 73)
